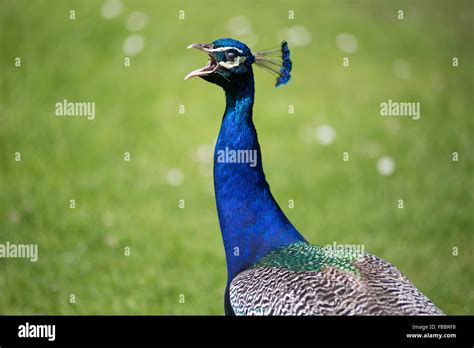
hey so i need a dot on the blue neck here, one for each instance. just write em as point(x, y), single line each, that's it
point(251, 221)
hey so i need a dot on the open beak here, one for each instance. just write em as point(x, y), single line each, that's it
point(211, 63)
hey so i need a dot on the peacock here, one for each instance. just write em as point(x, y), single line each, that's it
point(271, 268)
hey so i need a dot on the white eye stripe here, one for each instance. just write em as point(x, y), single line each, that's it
point(234, 63)
point(223, 49)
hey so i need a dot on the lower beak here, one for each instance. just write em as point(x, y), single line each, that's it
point(211, 63)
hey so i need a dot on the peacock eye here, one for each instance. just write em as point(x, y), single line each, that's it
point(230, 54)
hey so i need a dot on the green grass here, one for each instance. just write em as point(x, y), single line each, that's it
point(130, 204)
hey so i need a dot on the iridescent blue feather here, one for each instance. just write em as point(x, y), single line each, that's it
point(276, 61)
point(286, 65)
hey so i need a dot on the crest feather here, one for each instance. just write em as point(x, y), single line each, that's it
point(276, 61)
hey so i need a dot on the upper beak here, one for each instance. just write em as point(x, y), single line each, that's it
point(211, 64)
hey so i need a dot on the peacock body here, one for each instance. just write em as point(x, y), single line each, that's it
point(272, 269)
point(303, 279)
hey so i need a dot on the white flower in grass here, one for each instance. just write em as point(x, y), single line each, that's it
point(133, 44)
point(111, 9)
point(204, 153)
point(385, 166)
point(401, 69)
point(137, 21)
point(298, 35)
point(325, 134)
point(346, 42)
point(174, 177)
point(239, 26)
point(110, 240)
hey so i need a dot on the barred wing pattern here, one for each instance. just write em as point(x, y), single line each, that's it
point(375, 288)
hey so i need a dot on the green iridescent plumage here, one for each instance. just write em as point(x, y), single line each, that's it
point(300, 257)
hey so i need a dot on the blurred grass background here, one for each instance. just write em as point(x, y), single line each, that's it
point(134, 204)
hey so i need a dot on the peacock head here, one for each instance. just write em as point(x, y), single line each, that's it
point(231, 60)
